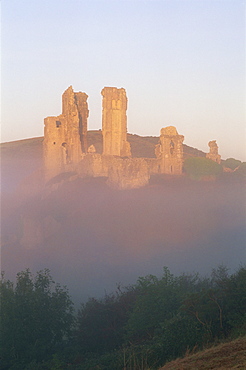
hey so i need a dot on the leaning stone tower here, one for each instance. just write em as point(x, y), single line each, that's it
point(114, 122)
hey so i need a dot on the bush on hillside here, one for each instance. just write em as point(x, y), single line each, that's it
point(231, 163)
point(241, 170)
point(198, 168)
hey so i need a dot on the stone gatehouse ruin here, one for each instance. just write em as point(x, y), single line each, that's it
point(66, 150)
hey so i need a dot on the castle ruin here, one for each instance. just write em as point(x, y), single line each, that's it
point(213, 152)
point(170, 151)
point(65, 144)
point(65, 136)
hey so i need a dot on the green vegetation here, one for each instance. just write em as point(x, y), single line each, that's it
point(241, 170)
point(36, 320)
point(200, 168)
point(235, 171)
point(231, 163)
point(142, 326)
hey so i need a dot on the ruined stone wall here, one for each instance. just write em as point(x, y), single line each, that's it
point(65, 136)
point(213, 152)
point(128, 173)
point(114, 122)
point(94, 165)
point(154, 165)
point(170, 151)
point(122, 173)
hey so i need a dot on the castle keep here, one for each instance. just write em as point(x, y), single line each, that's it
point(65, 144)
point(114, 122)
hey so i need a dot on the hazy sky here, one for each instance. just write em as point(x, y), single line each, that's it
point(181, 62)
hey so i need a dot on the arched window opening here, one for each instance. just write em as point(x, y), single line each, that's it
point(65, 153)
point(171, 147)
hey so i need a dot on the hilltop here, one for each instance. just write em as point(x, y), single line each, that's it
point(20, 158)
point(141, 146)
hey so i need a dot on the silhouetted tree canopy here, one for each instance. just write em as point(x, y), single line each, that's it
point(141, 326)
point(36, 318)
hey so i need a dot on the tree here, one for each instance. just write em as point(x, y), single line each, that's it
point(101, 321)
point(198, 168)
point(241, 170)
point(157, 301)
point(231, 163)
point(235, 302)
point(37, 318)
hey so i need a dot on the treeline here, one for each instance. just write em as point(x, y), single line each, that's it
point(198, 168)
point(141, 326)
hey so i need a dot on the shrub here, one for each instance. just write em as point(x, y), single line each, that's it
point(198, 168)
point(231, 163)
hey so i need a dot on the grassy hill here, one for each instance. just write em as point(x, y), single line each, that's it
point(19, 159)
point(15, 149)
point(142, 146)
point(231, 355)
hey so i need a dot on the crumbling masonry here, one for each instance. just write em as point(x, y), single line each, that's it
point(170, 151)
point(213, 152)
point(65, 136)
point(65, 144)
point(114, 122)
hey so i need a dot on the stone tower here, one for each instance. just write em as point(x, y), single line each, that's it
point(114, 122)
point(65, 136)
point(213, 153)
point(170, 151)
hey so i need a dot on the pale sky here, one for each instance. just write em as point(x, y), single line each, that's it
point(182, 63)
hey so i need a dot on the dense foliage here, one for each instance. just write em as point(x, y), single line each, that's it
point(36, 319)
point(241, 170)
point(200, 168)
point(231, 163)
point(138, 327)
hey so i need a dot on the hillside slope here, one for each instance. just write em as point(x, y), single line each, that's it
point(21, 158)
point(231, 355)
point(142, 146)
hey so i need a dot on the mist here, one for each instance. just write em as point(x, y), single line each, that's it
point(93, 238)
